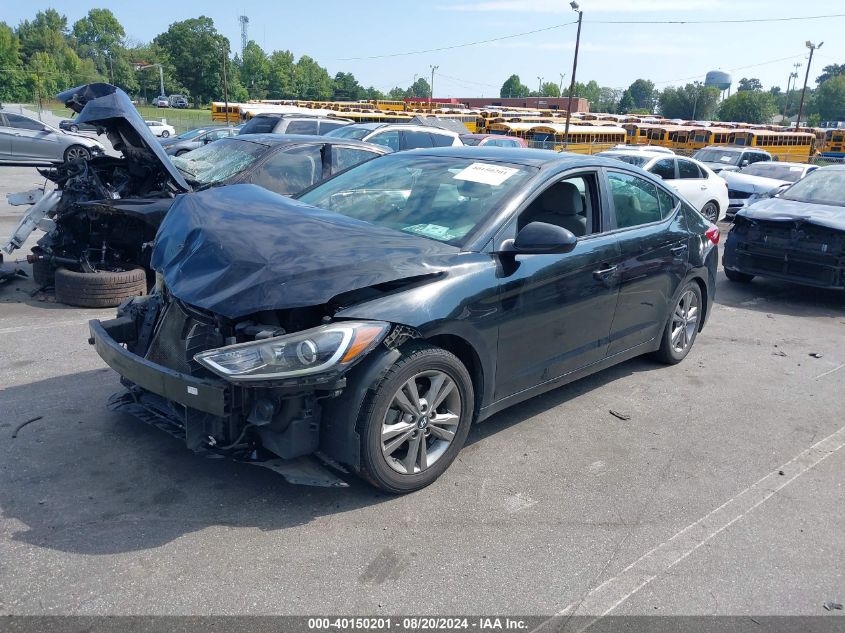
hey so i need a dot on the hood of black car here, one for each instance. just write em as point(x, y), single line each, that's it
point(109, 107)
point(780, 209)
point(241, 249)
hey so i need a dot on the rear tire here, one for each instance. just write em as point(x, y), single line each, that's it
point(711, 211)
point(76, 152)
point(165, 134)
point(429, 439)
point(681, 326)
point(74, 128)
point(43, 273)
point(738, 277)
point(100, 289)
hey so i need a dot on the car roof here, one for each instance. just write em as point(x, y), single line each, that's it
point(778, 163)
point(270, 139)
point(517, 155)
point(735, 148)
point(639, 152)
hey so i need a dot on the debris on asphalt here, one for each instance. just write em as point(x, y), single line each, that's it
point(621, 416)
point(23, 424)
point(780, 472)
point(830, 606)
point(779, 352)
point(816, 354)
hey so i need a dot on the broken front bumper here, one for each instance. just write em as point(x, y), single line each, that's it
point(214, 397)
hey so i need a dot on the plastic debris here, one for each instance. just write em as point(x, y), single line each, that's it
point(816, 354)
point(830, 606)
point(621, 416)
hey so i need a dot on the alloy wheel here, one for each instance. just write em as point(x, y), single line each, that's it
point(75, 153)
point(684, 321)
point(711, 212)
point(420, 422)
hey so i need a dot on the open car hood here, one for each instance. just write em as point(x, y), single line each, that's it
point(779, 209)
point(109, 107)
point(241, 249)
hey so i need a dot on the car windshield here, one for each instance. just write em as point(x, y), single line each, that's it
point(218, 161)
point(438, 197)
point(718, 156)
point(638, 161)
point(191, 133)
point(349, 131)
point(789, 173)
point(820, 187)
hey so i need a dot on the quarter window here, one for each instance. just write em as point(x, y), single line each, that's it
point(665, 168)
point(635, 200)
point(388, 138)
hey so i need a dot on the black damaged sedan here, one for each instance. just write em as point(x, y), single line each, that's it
point(374, 319)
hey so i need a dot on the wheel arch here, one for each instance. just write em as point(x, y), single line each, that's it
point(467, 354)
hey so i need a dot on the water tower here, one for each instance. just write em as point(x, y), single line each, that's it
point(718, 79)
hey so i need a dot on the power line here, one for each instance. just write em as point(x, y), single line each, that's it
point(773, 61)
point(738, 21)
point(454, 46)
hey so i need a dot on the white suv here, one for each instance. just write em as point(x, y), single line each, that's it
point(398, 136)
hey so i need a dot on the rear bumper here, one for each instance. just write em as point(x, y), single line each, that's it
point(203, 395)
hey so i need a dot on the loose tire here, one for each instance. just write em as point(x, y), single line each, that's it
point(75, 152)
point(738, 277)
point(99, 289)
point(681, 326)
point(165, 134)
point(43, 273)
point(415, 419)
point(711, 211)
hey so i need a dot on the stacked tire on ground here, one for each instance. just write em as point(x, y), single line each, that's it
point(102, 289)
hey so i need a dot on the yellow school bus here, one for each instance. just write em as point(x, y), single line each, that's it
point(834, 143)
point(582, 139)
point(796, 147)
point(219, 109)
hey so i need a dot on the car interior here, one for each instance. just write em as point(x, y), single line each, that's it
point(563, 204)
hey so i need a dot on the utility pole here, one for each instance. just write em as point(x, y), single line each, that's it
point(433, 68)
point(560, 87)
point(225, 86)
point(812, 48)
point(539, 86)
point(161, 78)
point(575, 8)
point(792, 75)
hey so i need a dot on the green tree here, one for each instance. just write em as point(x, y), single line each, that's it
point(195, 51)
point(254, 70)
point(642, 94)
point(396, 93)
point(513, 87)
point(346, 88)
point(626, 102)
point(12, 77)
point(748, 106)
point(749, 84)
point(420, 89)
point(100, 37)
point(693, 101)
point(830, 99)
point(549, 89)
point(608, 100)
point(591, 91)
point(828, 72)
point(312, 80)
point(280, 75)
point(46, 33)
point(374, 94)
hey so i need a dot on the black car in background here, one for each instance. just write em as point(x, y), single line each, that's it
point(72, 125)
point(380, 314)
point(797, 235)
point(192, 139)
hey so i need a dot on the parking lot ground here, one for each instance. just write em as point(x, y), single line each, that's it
point(553, 506)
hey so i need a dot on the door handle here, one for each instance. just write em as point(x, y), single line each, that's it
point(703, 187)
point(603, 274)
point(677, 250)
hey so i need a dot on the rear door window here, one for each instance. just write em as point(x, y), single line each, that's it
point(328, 126)
point(635, 200)
point(441, 140)
point(260, 125)
point(688, 169)
point(665, 168)
point(388, 138)
point(346, 157)
point(302, 127)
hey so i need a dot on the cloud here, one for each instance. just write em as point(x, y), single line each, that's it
point(595, 6)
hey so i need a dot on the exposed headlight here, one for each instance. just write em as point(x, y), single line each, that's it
point(321, 349)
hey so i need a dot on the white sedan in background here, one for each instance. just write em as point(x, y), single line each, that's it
point(159, 128)
point(696, 182)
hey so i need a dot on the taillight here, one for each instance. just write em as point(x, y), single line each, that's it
point(713, 234)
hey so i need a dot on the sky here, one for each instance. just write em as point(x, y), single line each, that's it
point(370, 38)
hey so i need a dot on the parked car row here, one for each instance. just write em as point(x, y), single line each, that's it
point(28, 141)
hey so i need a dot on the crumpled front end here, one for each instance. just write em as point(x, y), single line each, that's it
point(794, 250)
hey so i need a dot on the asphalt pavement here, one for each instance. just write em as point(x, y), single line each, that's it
point(721, 494)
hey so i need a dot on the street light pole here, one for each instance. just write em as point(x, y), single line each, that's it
point(433, 68)
point(574, 6)
point(560, 86)
point(792, 75)
point(225, 86)
point(812, 48)
point(539, 86)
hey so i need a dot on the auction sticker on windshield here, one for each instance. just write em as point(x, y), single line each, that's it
point(486, 174)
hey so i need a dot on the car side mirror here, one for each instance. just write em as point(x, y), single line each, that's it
point(537, 238)
point(206, 141)
point(744, 163)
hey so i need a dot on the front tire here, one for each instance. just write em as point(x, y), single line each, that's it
point(682, 326)
point(711, 211)
point(101, 289)
point(738, 277)
point(76, 152)
point(415, 419)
